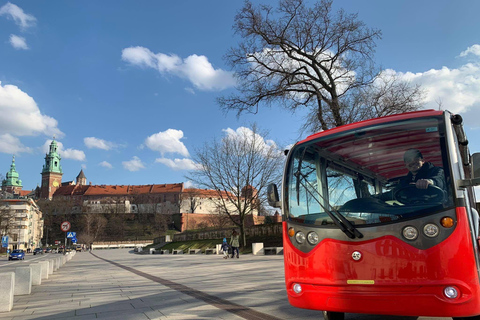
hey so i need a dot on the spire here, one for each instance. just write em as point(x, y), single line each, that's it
point(81, 178)
point(52, 159)
point(12, 176)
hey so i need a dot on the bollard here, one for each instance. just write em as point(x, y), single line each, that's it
point(36, 274)
point(44, 264)
point(7, 283)
point(23, 281)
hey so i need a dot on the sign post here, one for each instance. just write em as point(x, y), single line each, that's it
point(65, 226)
point(5, 243)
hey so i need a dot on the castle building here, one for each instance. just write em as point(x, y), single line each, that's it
point(52, 172)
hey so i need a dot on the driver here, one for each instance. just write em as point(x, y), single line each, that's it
point(421, 173)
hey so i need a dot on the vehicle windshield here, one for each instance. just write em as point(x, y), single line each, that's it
point(361, 175)
point(17, 251)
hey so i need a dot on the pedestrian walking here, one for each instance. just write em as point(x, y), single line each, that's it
point(234, 242)
point(225, 248)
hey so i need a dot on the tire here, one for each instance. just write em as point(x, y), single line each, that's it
point(329, 315)
point(467, 318)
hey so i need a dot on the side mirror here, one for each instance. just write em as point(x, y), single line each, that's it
point(476, 165)
point(475, 180)
point(272, 196)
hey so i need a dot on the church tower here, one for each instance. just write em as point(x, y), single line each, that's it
point(81, 179)
point(12, 183)
point(51, 173)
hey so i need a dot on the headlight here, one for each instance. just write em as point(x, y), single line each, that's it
point(431, 230)
point(410, 233)
point(300, 237)
point(450, 292)
point(297, 288)
point(312, 238)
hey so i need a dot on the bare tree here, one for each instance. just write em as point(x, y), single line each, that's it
point(238, 168)
point(298, 56)
point(191, 198)
point(93, 227)
point(7, 219)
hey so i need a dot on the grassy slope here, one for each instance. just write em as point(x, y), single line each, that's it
point(205, 244)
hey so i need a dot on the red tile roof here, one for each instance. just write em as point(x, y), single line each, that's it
point(111, 190)
point(24, 193)
point(204, 193)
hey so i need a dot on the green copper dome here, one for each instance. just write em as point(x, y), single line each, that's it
point(52, 159)
point(12, 179)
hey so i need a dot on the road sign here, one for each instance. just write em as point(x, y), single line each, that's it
point(4, 241)
point(71, 235)
point(65, 226)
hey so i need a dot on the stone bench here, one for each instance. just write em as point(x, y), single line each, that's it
point(194, 251)
point(210, 251)
point(164, 251)
point(272, 250)
point(177, 251)
point(257, 248)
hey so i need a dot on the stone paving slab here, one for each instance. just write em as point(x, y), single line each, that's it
point(90, 288)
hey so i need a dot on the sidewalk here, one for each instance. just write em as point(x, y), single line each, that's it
point(117, 284)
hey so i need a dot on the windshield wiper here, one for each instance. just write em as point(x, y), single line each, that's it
point(299, 169)
point(340, 221)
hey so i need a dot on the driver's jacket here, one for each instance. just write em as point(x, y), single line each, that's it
point(427, 171)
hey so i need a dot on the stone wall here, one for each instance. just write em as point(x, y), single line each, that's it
point(273, 229)
point(195, 221)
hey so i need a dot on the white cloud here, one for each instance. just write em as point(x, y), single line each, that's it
point(133, 165)
point(72, 154)
point(454, 89)
point(16, 13)
point(178, 164)
point(92, 142)
point(18, 42)
point(12, 145)
point(105, 164)
point(197, 69)
point(188, 184)
point(247, 133)
point(20, 115)
point(167, 142)
point(475, 50)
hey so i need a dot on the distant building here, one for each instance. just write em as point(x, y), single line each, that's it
point(154, 198)
point(22, 221)
point(170, 199)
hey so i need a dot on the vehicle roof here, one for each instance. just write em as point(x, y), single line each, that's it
point(381, 151)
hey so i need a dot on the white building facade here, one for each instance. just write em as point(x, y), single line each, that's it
point(21, 220)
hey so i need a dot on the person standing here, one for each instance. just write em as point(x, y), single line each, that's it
point(234, 242)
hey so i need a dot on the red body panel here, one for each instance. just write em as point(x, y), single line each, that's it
point(407, 281)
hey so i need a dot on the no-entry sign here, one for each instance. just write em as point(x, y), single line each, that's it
point(65, 226)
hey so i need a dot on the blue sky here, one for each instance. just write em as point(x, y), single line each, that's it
point(129, 88)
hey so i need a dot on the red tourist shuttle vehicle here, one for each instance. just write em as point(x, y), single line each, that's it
point(360, 236)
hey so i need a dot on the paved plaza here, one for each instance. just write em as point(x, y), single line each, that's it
point(119, 284)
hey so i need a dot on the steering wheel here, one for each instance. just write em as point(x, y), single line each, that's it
point(411, 195)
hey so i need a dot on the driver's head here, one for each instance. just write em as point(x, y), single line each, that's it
point(413, 160)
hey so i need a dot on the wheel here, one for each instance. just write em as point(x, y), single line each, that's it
point(467, 318)
point(329, 315)
point(412, 195)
